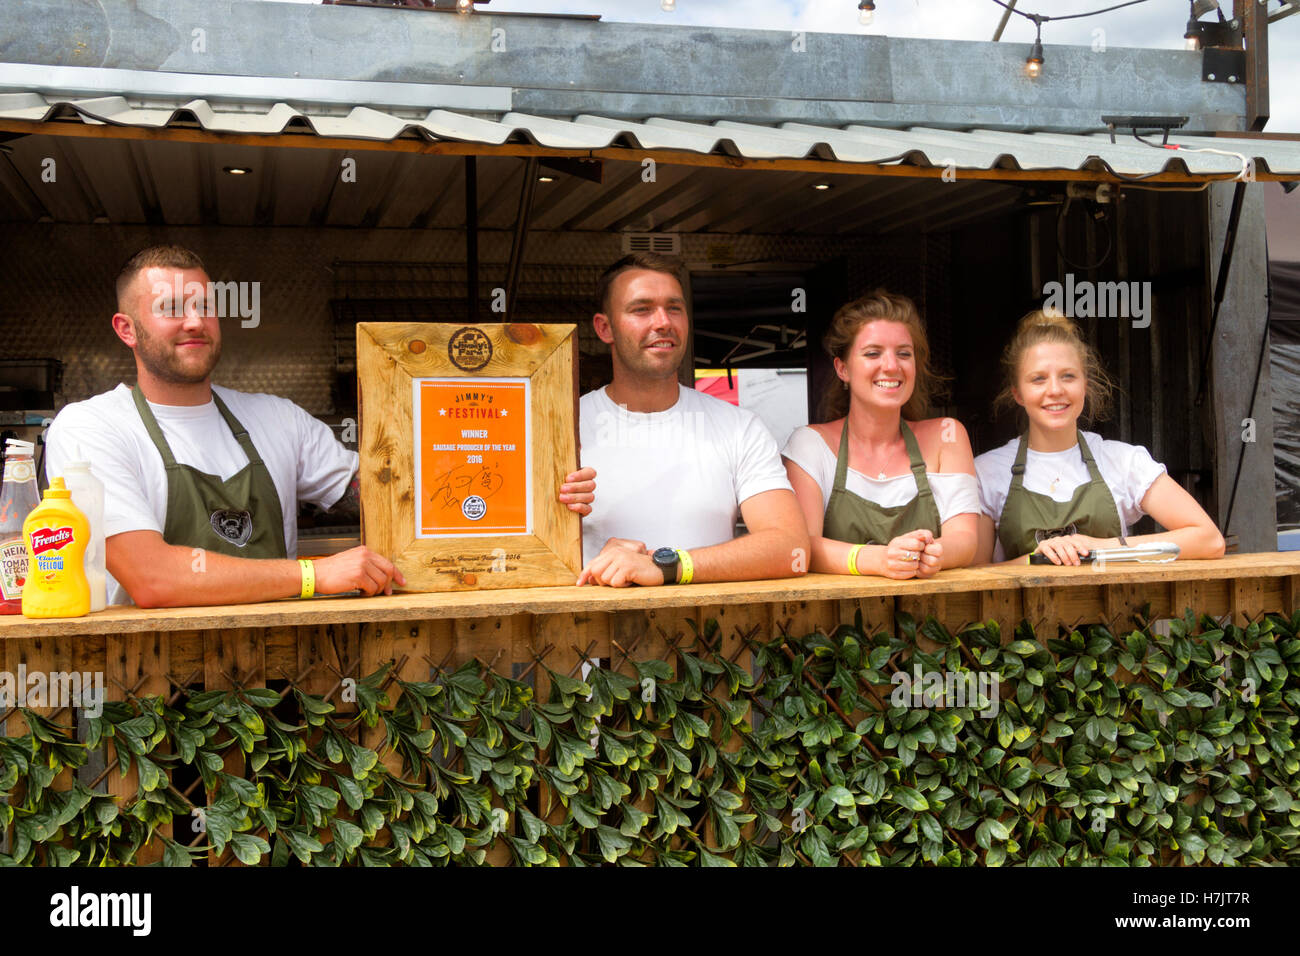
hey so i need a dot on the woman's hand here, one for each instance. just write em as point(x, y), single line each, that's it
point(1069, 548)
point(904, 555)
point(931, 560)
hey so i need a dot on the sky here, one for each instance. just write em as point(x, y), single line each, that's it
point(1153, 24)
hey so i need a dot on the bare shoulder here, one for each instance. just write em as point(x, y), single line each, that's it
point(942, 439)
point(830, 432)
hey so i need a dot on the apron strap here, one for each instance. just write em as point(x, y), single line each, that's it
point(1018, 468)
point(1093, 471)
point(917, 461)
point(155, 431)
point(240, 432)
point(151, 426)
point(842, 459)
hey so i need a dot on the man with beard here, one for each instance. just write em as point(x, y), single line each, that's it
point(674, 467)
point(202, 482)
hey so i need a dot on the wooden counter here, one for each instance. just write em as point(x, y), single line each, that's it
point(319, 644)
point(1246, 583)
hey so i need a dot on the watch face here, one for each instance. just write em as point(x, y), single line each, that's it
point(664, 556)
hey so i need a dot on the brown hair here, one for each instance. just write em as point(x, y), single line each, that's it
point(1039, 327)
point(653, 261)
point(848, 322)
point(166, 256)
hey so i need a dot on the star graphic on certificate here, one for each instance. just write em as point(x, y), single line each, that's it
point(442, 412)
point(505, 412)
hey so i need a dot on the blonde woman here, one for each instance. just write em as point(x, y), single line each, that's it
point(884, 491)
point(1062, 491)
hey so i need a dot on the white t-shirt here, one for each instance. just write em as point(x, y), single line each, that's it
point(954, 493)
point(1128, 470)
point(306, 462)
point(674, 478)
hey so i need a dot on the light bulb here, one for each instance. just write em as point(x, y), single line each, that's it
point(1034, 65)
point(464, 6)
point(866, 12)
point(668, 5)
point(1192, 43)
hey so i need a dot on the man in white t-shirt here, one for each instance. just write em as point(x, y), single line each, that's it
point(202, 483)
point(673, 467)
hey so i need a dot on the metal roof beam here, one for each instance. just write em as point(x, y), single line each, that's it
point(563, 67)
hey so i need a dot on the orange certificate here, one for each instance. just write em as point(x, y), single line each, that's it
point(472, 457)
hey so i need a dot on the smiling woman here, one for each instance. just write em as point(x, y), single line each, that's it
point(898, 498)
point(1059, 490)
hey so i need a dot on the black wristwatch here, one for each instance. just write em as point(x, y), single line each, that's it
point(666, 559)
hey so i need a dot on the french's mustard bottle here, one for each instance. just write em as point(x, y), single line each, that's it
point(56, 533)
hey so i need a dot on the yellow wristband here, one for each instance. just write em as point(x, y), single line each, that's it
point(853, 559)
point(308, 578)
point(688, 569)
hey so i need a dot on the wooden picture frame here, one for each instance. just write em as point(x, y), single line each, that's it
point(448, 508)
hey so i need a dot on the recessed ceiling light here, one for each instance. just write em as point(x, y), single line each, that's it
point(546, 179)
point(821, 186)
point(237, 170)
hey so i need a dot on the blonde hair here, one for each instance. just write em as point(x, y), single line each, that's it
point(880, 306)
point(1042, 327)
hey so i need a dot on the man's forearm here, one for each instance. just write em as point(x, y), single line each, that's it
point(189, 577)
point(350, 501)
point(772, 553)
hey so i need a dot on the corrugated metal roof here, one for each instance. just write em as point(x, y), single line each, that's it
point(964, 150)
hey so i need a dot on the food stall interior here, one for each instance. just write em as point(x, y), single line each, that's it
point(771, 254)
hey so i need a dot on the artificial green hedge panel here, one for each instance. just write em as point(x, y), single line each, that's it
point(1092, 748)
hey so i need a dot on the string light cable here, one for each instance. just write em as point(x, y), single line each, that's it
point(1247, 171)
point(1067, 16)
point(1034, 62)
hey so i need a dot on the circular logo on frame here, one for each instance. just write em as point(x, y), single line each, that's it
point(469, 349)
point(473, 507)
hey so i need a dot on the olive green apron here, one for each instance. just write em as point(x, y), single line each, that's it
point(1029, 517)
point(239, 516)
point(852, 518)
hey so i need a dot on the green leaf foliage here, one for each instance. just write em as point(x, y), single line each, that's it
point(1078, 748)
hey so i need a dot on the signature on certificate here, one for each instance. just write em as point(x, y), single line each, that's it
point(451, 486)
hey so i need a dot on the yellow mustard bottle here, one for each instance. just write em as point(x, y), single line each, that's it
point(56, 533)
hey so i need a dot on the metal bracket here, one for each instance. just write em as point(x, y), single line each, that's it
point(1223, 66)
point(1144, 124)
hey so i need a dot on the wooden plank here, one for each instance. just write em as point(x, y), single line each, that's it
point(566, 635)
point(1291, 594)
point(317, 661)
point(1212, 597)
point(233, 659)
point(1004, 607)
point(281, 653)
point(494, 647)
point(135, 665)
point(549, 600)
point(1247, 601)
point(737, 628)
point(88, 658)
point(377, 644)
point(1120, 602)
point(801, 618)
point(184, 656)
point(920, 607)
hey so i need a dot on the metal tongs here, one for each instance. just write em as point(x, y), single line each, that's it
point(1158, 552)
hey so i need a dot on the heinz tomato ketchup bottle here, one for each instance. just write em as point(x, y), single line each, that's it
point(18, 497)
point(57, 534)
